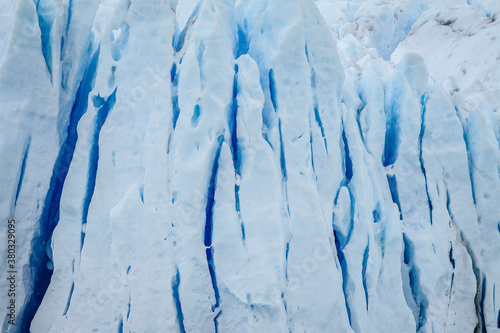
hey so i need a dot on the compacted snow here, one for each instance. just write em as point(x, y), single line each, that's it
point(251, 165)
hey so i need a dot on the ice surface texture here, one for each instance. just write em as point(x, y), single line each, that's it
point(255, 166)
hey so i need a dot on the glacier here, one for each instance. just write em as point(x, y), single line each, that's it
point(251, 165)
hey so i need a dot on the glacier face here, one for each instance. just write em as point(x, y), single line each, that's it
point(251, 166)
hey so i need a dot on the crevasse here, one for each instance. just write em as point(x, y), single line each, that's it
point(270, 166)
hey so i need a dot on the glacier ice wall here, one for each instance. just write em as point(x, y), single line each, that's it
point(253, 166)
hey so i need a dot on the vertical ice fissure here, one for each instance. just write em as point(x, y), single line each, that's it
point(392, 132)
point(284, 183)
point(272, 90)
point(242, 43)
point(467, 146)
point(104, 107)
point(341, 258)
point(120, 325)
point(21, 175)
point(174, 79)
point(479, 298)
point(49, 219)
point(365, 168)
point(45, 22)
point(348, 170)
point(452, 262)
point(209, 228)
point(176, 281)
point(419, 298)
point(364, 268)
point(393, 187)
point(283, 169)
point(69, 299)
point(128, 305)
point(235, 150)
point(286, 207)
point(317, 115)
point(423, 102)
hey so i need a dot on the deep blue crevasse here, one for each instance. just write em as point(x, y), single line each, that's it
point(176, 280)
point(69, 299)
point(105, 106)
point(341, 258)
point(348, 160)
point(40, 274)
point(282, 154)
point(272, 90)
point(393, 187)
point(233, 123)
point(120, 326)
point(450, 255)
point(209, 223)
point(235, 150)
point(392, 132)
point(365, 266)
